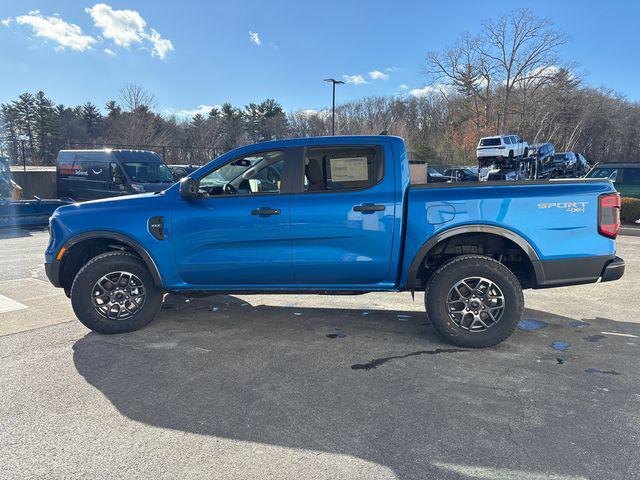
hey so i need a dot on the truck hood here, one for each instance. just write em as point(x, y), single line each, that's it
point(125, 203)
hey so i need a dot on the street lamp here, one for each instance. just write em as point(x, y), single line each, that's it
point(334, 82)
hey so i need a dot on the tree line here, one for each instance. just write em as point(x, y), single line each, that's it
point(508, 78)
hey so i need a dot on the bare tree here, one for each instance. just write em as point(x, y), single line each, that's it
point(519, 45)
point(134, 97)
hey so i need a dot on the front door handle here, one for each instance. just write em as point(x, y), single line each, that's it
point(368, 208)
point(265, 211)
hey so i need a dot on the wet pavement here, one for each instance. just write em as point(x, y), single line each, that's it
point(317, 387)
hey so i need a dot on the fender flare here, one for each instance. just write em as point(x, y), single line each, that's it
point(122, 238)
point(412, 278)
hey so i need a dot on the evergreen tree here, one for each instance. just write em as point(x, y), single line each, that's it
point(46, 123)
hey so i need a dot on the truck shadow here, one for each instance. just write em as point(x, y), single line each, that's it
point(288, 376)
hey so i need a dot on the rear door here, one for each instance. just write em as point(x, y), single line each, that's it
point(342, 221)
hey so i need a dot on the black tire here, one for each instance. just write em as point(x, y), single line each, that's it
point(511, 155)
point(526, 153)
point(468, 266)
point(95, 269)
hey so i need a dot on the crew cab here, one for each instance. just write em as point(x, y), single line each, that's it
point(335, 215)
point(500, 148)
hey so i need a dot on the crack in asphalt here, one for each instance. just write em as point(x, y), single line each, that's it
point(375, 363)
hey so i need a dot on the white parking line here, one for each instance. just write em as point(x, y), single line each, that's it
point(8, 305)
point(620, 334)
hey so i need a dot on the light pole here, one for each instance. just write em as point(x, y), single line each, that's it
point(334, 82)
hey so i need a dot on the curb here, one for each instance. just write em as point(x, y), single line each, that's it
point(630, 231)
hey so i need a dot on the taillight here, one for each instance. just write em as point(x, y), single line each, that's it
point(609, 214)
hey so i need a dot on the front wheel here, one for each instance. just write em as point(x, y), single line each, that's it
point(474, 301)
point(114, 293)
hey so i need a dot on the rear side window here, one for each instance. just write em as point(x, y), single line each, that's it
point(341, 168)
point(490, 142)
point(507, 140)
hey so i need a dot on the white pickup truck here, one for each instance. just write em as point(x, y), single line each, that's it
point(501, 147)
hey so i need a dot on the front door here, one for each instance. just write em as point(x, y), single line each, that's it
point(342, 224)
point(237, 233)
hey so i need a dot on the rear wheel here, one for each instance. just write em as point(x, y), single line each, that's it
point(474, 301)
point(114, 293)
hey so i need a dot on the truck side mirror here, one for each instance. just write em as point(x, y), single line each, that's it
point(189, 188)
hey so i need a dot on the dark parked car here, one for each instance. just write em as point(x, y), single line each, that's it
point(565, 163)
point(461, 175)
point(582, 167)
point(434, 176)
point(544, 155)
point(92, 174)
point(181, 171)
point(625, 176)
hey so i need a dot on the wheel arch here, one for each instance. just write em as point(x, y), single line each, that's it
point(104, 237)
point(413, 279)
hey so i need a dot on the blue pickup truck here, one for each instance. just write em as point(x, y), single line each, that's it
point(335, 215)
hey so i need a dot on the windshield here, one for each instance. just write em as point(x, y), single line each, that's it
point(490, 142)
point(434, 173)
point(560, 157)
point(148, 172)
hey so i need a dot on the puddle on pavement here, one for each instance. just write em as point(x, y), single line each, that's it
point(531, 325)
point(561, 346)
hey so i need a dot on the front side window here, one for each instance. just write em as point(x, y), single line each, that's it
point(340, 168)
point(507, 140)
point(253, 174)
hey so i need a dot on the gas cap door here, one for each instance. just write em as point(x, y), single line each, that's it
point(440, 213)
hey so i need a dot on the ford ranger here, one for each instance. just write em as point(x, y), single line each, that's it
point(335, 215)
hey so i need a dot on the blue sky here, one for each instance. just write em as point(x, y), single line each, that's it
point(193, 53)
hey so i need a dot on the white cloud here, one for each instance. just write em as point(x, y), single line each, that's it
point(355, 79)
point(161, 46)
point(378, 75)
point(126, 27)
point(254, 37)
point(6, 22)
point(189, 113)
point(66, 35)
point(438, 88)
point(392, 69)
point(403, 86)
point(108, 51)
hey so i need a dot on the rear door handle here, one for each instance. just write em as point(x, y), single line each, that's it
point(265, 211)
point(368, 208)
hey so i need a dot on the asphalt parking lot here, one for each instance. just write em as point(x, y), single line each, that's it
point(316, 387)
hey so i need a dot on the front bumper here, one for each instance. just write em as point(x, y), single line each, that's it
point(52, 270)
point(577, 271)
